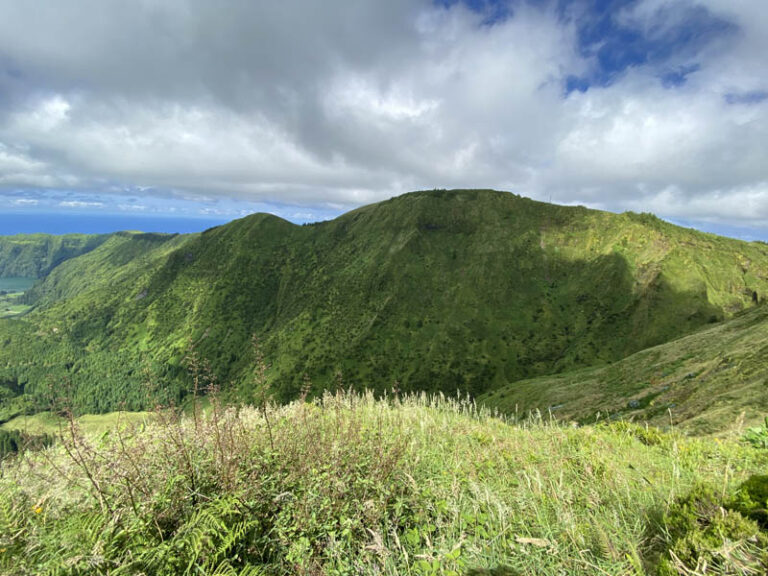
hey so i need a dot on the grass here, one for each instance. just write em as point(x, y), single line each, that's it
point(9, 308)
point(34, 255)
point(348, 484)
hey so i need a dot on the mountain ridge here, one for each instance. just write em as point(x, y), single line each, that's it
point(434, 290)
point(34, 255)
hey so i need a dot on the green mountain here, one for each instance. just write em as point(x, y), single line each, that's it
point(438, 291)
point(34, 255)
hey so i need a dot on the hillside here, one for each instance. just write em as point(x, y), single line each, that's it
point(711, 380)
point(439, 290)
point(34, 255)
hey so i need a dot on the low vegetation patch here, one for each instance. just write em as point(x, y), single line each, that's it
point(15, 441)
point(758, 435)
point(708, 535)
point(348, 484)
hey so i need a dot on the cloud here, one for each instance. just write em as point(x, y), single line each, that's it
point(653, 104)
point(80, 204)
point(132, 207)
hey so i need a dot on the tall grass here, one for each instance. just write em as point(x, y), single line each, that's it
point(350, 484)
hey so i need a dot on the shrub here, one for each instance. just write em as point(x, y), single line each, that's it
point(704, 537)
point(751, 500)
point(758, 436)
point(14, 441)
point(648, 435)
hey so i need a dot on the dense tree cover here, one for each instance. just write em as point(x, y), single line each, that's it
point(439, 290)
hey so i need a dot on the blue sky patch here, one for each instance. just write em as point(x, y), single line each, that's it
point(615, 43)
point(494, 11)
point(678, 76)
point(154, 206)
point(753, 97)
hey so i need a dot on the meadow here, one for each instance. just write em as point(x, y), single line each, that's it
point(351, 484)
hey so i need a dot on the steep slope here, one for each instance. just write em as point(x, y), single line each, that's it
point(34, 255)
point(711, 380)
point(439, 290)
point(59, 351)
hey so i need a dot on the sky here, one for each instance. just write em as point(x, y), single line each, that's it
point(200, 110)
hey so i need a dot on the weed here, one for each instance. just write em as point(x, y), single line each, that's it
point(758, 436)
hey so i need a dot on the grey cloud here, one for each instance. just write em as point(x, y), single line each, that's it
point(238, 52)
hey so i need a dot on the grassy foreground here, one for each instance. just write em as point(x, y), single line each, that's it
point(349, 484)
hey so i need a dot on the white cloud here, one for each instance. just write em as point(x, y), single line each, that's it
point(335, 104)
point(44, 116)
point(13, 161)
point(80, 204)
point(132, 207)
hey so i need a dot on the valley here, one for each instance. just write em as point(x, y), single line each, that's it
point(364, 288)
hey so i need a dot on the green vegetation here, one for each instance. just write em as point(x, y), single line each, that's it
point(576, 329)
point(10, 307)
point(711, 380)
point(48, 424)
point(758, 435)
point(34, 255)
point(438, 291)
point(15, 441)
point(347, 484)
point(710, 536)
point(11, 293)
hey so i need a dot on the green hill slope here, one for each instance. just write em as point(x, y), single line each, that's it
point(711, 380)
point(34, 255)
point(436, 290)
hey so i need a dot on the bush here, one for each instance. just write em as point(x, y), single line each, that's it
point(14, 441)
point(648, 435)
point(217, 493)
point(751, 500)
point(758, 436)
point(704, 537)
